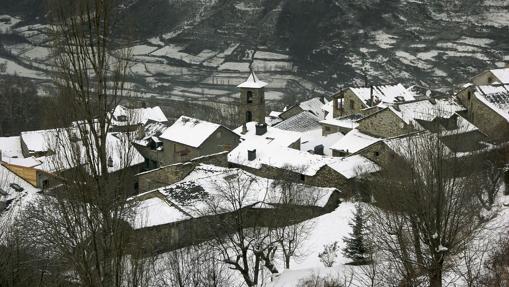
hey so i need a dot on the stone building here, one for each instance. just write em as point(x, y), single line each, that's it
point(189, 138)
point(494, 76)
point(366, 100)
point(313, 106)
point(196, 208)
point(126, 119)
point(252, 102)
point(488, 108)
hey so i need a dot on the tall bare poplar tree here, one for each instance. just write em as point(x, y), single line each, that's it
point(84, 224)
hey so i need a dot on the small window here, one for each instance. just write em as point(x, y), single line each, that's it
point(327, 129)
point(490, 80)
point(45, 184)
point(302, 177)
point(249, 97)
point(249, 117)
point(352, 105)
point(469, 95)
point(376, 153)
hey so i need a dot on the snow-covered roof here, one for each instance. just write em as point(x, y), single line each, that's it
point(313, 138)
point(152, 209)
point(426, 110)
point(301, 122)
point(252, 82)
point(151, 131)
point(41, 140)
point(277, 156)
point(291, 159)
point(346, 122)
point(10, 146)
point(123, 116)
point(118, 147)
point(273, 136)
point(206, 185)
point(496, 97)
point(353, 166)
point(189, 131)
point(384, 95)
point(354, 141)
point(502, 75)
point(315, 106)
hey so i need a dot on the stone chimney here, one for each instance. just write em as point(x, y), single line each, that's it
point(371, 96)
point(261, 129)
point(318, 149)
point(251, 154)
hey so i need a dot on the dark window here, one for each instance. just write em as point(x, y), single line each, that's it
point(352, 104)
point(376, 153)
point(249, 117)
point(327, 129)
point(490, 79)
point(469, 95)
point(249, 97)
point(302, 177)
point(45, 184)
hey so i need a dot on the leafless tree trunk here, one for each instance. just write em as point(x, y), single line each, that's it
point(84, 224)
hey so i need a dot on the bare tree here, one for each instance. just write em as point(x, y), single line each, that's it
point(84, 225)
point(426, 209)
point(244, 242)
point(192, 266)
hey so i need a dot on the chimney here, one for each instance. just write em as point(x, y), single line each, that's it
point(251, 154)
point(371, 96)
point(261, 129)
point(318, 149)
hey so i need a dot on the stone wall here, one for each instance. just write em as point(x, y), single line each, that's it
point(170, 174)
point(384, 124)
point(167, 237)
point(483, 117)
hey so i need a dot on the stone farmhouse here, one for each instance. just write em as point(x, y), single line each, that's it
point(124, 119)
point(366, 100)
point(488, 108)
point(189, 211)
point(494, 76)
point(189, 138)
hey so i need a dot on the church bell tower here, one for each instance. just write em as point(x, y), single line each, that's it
point(252, 103)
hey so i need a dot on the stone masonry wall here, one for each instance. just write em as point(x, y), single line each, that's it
point(170, 174)
point(384, 124)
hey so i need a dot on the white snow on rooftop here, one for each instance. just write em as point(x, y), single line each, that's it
point(502, 75)
point(426, 110)
point(156, 211)
point(189, 131)
point(207, 185)
point(353, 166)
point(315, 106)
point(131, 116)
point(273, 136)
point(354, 141)
point(313, 138)
point(10, 146)
point(495, 97)
point(41, 140)
point(252, 82)
point(385, 94)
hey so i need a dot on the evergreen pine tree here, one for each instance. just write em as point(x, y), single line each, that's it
point(356, 246)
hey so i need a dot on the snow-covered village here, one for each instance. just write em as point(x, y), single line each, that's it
point(271, 174)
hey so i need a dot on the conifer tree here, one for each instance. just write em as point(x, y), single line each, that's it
point(356, 247)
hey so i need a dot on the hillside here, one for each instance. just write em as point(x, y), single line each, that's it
point(198, 50)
